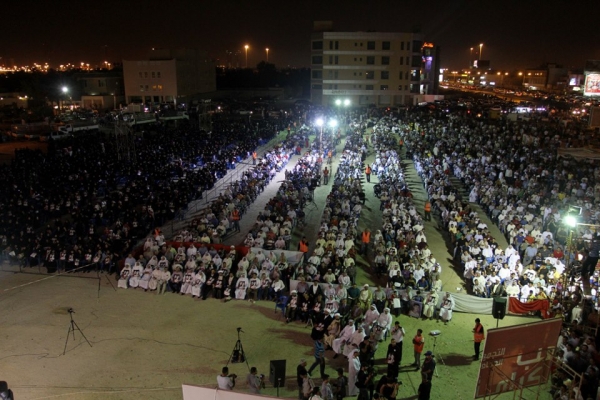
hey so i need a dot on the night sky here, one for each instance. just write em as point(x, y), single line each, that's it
point(515, 33)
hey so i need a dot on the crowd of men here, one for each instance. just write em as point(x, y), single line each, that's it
point(512, 171)
point(84, 205)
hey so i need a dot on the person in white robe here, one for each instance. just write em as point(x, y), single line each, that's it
point(197, 282)
point(253, 287)
point(188, 277)
point(354, 342)
point(382, 325)
point(136, 274)
point(241, 287)
point(370, 317)
point(124, 276)
point(192, 250)
point(333, 330)
point(153, 263)
point(146, 277)
point(162, 278)
point(447, 307)
point(153, 283)
point(163, 262)
point(430, 305)
point(353, 368)
point(345, 335)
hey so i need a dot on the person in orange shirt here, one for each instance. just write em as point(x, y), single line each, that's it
point(303, 247)
point(478, 337)
point(365, 240)
point(427, 211)
point(368, 173)
point(418, 343)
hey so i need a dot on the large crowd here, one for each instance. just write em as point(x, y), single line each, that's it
point(512, 171)
point(80, 207)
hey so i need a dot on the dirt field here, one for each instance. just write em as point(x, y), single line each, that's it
point(144, 345)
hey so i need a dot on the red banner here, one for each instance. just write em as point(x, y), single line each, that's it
point(517, 307)
point(517, 356)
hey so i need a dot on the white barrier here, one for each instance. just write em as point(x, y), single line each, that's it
point(292, 257)
point(192, 392)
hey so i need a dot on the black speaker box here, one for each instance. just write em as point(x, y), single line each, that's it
point(499, 307)
point(277, 373)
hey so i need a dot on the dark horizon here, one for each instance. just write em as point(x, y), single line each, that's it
point(514, 34)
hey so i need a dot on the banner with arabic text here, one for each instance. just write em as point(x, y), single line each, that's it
point(516, 357)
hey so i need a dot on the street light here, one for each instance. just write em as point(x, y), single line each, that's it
point(347, 103)
point(246, 47)
point(65, 90)
point(338, 102)
point(480, 50)
point(333, 123)
point(267, 50)
point(471, 58)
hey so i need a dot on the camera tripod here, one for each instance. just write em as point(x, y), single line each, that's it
point(238, 355)
point(436, 355)
point(72, 328)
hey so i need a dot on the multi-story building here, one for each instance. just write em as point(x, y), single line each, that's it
point(100, 89)
point(169, 76)
point(381, 68)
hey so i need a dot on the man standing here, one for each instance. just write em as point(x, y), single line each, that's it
point(235, 218)
point(394, 356)
point(478, 337)
point(428, 366)
point(365, 241)
point(253, 381)
point(319, 357)
point(418, 343)
point(340, 385)
point(427, 209)
point(303, 247)
point(362, 382)
point(424, 389)
point(326, 392)
point(301, 374)
point(226, 381)
point(368, 173)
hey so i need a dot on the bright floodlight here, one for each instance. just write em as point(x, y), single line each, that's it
point(570, 220)
point(333, 123)
point(65, 89)
point(338, 102)
point(319, 121)
point(347, 102)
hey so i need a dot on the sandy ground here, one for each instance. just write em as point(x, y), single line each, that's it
point(144, 346)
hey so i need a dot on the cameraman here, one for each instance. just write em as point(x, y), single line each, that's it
point(255, 383)
point(226, 381)
point(364, 380)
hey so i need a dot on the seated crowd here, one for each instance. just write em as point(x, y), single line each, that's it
point(83, 206)
point(511, 170)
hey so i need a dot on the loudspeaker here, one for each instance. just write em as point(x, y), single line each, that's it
point(499, 307)
point(277, 373)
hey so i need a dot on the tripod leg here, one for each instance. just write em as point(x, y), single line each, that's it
point(80, 331)
point(67, 340)
point(242, 354)
point(73, 325)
